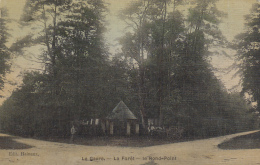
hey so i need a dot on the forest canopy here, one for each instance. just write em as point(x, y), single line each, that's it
point(162, 71)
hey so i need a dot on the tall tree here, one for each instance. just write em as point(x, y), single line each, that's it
point(74, 56)
point(82, 56)
point(42, 18)
point(133, 44)
point(247, 44)
point(165, 32)
point(4, 51)
point(71, 32)
point(154, 32)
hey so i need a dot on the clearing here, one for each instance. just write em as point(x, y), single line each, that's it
point(198, 152)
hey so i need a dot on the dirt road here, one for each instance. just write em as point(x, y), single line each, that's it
point(199, 152)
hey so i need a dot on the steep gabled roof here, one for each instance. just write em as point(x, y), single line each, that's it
point(121, 112)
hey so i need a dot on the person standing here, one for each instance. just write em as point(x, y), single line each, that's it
point(72, 131)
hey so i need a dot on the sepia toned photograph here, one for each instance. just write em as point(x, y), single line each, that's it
point(129, 82)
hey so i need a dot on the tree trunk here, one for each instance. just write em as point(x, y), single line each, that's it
point(161, 76)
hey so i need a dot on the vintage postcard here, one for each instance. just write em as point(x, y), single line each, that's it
point(131, 82)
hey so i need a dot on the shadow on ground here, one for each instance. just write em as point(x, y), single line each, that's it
point(7, 142)
point(116, 141)
point(120, 141)
point(250, 141)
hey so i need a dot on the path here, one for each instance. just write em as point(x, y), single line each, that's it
point(199, 152)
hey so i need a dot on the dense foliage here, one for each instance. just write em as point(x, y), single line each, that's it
point(163, 70)
point(247, 45)
point(4, 51)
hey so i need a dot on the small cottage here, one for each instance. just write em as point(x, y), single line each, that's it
point(122, 121)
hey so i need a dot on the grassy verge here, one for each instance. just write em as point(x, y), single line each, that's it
point(7, 142)
point(250, 141)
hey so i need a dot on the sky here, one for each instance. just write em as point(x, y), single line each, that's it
point(231, 26)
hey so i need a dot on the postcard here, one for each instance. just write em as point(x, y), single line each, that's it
point(138, 82)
